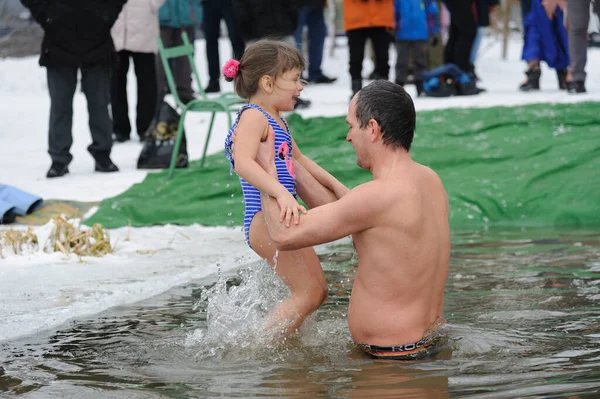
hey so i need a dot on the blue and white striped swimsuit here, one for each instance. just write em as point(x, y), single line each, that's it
point(283, 162)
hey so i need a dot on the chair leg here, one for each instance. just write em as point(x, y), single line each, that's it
point(212, 120)
point(177, 144)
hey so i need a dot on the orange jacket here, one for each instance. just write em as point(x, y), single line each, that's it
point(368, 14)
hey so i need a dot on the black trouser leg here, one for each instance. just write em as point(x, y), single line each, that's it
point(180, 67)
point(62, 82)
point(212, 25)
point(356, 47)
point(235, 36)
point(381, 46)
point(463, 29)
point(95, 82)
point(118, 95)
point(402, 50)
point(420, 58)
point(145, 73)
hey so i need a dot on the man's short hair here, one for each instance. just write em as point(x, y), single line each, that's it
point(393, 109)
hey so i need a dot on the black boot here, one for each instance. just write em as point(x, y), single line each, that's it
point(419, 84)
point(57, 170)
point(213, 87)
point(576, 87)
point(356, 86)
point(120, 138)
point(561, 75)
point(104, 164)
point(533, 80)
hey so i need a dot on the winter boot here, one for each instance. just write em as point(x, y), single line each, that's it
point(561, 75)
point(419, 85)
point(533, 80)
point(213, 86)
point(356, 86)
point(576, 87)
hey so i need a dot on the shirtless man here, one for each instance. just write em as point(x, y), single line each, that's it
point(398, 222)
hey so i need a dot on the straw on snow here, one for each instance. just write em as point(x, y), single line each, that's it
point(58, 235)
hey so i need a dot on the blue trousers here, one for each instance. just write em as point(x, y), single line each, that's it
point(314, 19)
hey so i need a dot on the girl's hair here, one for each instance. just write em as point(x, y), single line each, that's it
point(265, 57)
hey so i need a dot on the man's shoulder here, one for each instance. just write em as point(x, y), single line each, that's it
point(375, 191)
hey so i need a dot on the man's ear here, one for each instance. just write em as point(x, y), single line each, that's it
point(267, 84)
point(374, 130)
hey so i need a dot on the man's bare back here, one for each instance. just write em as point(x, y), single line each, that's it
point(398, 292)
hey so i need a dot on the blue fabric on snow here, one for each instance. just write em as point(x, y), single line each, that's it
point(545, 39)
point(22, 202)
point(431, 79)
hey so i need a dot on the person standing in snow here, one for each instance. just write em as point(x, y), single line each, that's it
point(578, 18)
point(368, 19)
point(77, 38)
point(545, 40)
point(416, 22)
point(214, 12)
point(269, 19)
point(134, 34)
point(312, 15)
point(176, 17)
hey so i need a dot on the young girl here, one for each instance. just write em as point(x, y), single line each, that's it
point(268, 75)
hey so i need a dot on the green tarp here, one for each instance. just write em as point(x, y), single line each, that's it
point(535, 165)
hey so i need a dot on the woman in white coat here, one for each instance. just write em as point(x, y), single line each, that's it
point(135, 34)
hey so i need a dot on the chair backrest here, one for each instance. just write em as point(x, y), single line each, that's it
point(184, 50)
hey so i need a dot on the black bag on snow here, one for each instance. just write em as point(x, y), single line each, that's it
point(160, 141)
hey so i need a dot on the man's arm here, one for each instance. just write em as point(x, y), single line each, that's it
point(321, 175)
point(312, 192)
point(355, 212)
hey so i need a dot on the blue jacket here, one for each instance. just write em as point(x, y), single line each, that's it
point(180, 13)
point(416, 19)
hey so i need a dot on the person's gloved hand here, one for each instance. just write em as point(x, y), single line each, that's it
point(434, 41)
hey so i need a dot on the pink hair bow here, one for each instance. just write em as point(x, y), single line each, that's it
point(231, 69)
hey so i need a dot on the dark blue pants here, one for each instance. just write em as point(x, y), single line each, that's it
point(314, 19)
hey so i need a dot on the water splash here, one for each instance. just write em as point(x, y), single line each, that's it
point(236, 311)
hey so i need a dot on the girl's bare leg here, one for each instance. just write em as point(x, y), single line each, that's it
point(300, 270)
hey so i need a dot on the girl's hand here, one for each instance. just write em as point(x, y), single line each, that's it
point(289, 208)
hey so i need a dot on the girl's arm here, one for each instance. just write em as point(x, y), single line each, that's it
point(321, 175)
point(310, 190)
point(250, 131)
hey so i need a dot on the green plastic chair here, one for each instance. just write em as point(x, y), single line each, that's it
point(224, 103)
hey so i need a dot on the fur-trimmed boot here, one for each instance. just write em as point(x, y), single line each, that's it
point(533, 80)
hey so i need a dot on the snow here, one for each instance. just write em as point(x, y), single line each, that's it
point(40, 291)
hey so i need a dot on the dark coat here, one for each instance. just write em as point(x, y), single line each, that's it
point(260, 19)
point(311, 3)
point(76, 32)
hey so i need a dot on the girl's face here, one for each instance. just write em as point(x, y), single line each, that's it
point(287, 88)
